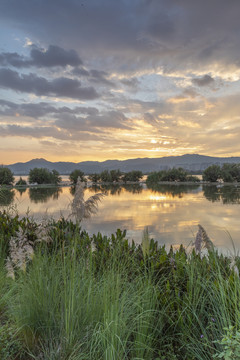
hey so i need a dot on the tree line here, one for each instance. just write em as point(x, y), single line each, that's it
point(174, 174)
point(106, 176)
point(227, 173)
point(45, 176)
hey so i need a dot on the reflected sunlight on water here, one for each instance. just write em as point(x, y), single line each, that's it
point(171, 213)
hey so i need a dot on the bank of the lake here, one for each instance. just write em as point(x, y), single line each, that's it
point(67, 295)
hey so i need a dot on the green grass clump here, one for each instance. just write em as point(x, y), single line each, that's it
point(98, 297)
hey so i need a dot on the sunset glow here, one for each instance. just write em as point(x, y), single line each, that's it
point(104, 79)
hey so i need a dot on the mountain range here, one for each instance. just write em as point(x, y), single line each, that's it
point(192, 162)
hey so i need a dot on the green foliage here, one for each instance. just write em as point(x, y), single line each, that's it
point(227, 173)
point(133, 176)
point(94, 177)
point(75, 174)
point(212, 173)
point(21, 182)
point(44, 176)
point(105, 176)
point(230, 172)
point(115, 175)
point(102, 297)
point(174, 174)
point(10, 345)
point(230, 343)
point(6, 176)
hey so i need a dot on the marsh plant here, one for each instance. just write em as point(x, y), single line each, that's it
point(202, 240)
point(81, 208)
point(230, 343)
point(98, 297)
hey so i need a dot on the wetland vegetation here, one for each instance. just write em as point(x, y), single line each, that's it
point(68, 295)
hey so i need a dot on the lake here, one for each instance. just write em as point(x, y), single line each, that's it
point(171, 212)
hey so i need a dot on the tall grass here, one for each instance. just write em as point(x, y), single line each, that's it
point(83, 297)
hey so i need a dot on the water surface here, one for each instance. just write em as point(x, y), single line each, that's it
point(171, 212)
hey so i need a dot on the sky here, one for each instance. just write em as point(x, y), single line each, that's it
point(118, 79)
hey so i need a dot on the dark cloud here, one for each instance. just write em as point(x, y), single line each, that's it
point(42, 109)
point(206, 80)
point(131, 82)
point(53, 56)
point(59, 87)
point(111, 120)
point(128, 35)
point(95, 76)
point(13, 59)
point(40, 132)
point(80, 72)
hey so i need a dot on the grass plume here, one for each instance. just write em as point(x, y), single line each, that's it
point(81, 208)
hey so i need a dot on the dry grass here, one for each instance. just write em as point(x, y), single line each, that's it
point(202, 240)
point(82, 209)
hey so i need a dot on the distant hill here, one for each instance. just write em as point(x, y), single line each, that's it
point(192, 162)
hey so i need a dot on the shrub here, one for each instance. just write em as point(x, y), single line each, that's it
point(175, 174)
point(212, 173)
point(44, 176)
point(6, 176)
point(75, 174)
point(21, 182)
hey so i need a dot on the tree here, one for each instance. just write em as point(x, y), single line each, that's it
point(230, 172)
point(133, 176)
point(212, 173)
point(56, 179)
point(21, 182)
point(115, 175)
point(44, 176)
point(75, 174)
point(105, 176)
point(94, 177)
point(6, 176)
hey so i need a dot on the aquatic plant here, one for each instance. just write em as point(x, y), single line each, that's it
point(82, 209)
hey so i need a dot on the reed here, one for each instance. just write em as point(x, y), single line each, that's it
point(81, 297)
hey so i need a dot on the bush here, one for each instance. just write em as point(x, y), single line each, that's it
point(94, 177)
point(75, 174)
point(44, 176)
point(133, 176)
point(171, 175)
point(21, 182)
point(212, 173)
point(6, 176)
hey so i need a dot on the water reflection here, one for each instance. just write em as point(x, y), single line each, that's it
point(228, 194)
point(6, 197)
point(117, 189)
point(21, 190)
point(174, 190)
point(42, 195)
point(171, 212)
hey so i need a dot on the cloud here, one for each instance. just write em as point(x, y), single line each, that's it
point(132, 82)
point(95, 76)
point(126, 36)
point(53, 56)
point(205, 80)
point(96, 123)
point(39, 132)
point(59, 87)
point(42, 109)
